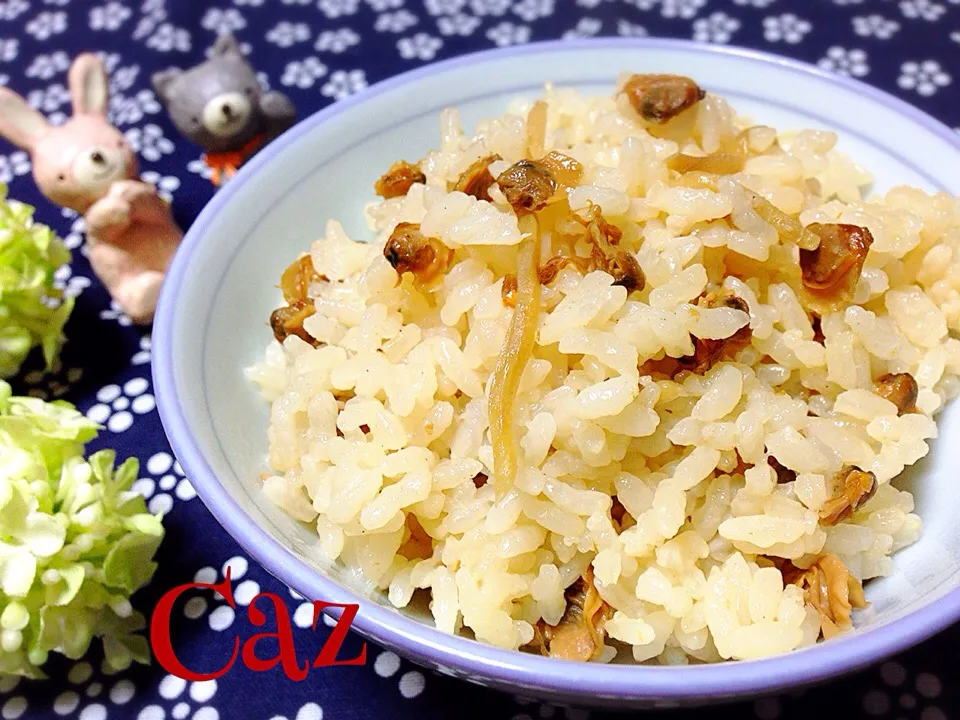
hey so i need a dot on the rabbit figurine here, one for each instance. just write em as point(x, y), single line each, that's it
point(86, 165)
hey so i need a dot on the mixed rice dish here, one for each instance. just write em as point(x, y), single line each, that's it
point(624, 374)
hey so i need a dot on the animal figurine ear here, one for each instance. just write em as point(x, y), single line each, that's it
point(226, 45)
point(20, 123)
point(163, 79)
point(89, 85)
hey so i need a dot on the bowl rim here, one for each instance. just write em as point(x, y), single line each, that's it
point(469, 658)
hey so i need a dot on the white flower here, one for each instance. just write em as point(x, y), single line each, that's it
point(147, 24)
point(875, 26)
point(124, 78)
point(12, 9)
point(925, 77)
point(591, 4)
point(223, 22)
point(71, 285)
point(681, 8)
point(222, 616)
point(303, 73)
point(343, 83)
point(46, 24)
point(489, 7)
point(787, 27)
point(284, 34)
point(336, 41)
point(126, 110)
point(754, 3)
point(167, 38)
point(506, 33)
point(395, 21)
point(955, 36)
point(845, 62)
point(412, 682)
point(108, 17)
point(264, 81)
point(531, 10)
point(115, 404)
point(459, 24)
point(13, 165)
point(250, 3)
point(444, 7)
point(587, 27)
point(74, 239)
point(172, 688)
point(200, 167)
point(110, 60)
point(643, 4)
point(629, 29)
point(45, 67)
point(51, 98)
point(923, 9)
point(149, 141)
point(166, 476)
point(383, 5)
point(847, 2)
point(420, 47)
point(115, 313)
point(338, 8)
point(166, 184)
point(245, 49)
point(717, 27)
point(144, 355)
point(297, 2)
point(8, 49)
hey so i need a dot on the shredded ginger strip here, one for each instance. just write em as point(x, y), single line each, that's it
point(536, 129)
point(517, 349)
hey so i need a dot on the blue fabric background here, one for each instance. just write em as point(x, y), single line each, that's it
point(318, 51)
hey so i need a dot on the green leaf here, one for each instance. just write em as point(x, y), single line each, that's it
point(129, 564)
point(126, 475)
point(102, 465)
point(121, 644)
point(30, 253)
point(146, 524)
point(65, 590)
point(67, 630)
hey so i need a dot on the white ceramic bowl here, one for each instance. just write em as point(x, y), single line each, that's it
point(222, 287)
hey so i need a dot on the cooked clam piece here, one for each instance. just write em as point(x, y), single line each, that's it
point(527, 185)
point(396, 182)
point(900, 389)
point(852, 487)
point(833, 268)
point(579, 634)
point(409, 250)
point(476, 179)
point(659, 98)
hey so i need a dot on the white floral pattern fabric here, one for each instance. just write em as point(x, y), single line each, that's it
point(320, 52)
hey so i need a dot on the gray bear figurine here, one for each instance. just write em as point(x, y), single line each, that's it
point(220, 106)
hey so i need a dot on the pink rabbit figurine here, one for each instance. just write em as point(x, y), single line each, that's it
point(87, 165)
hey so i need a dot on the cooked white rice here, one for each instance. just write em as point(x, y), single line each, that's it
point(684, 580)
